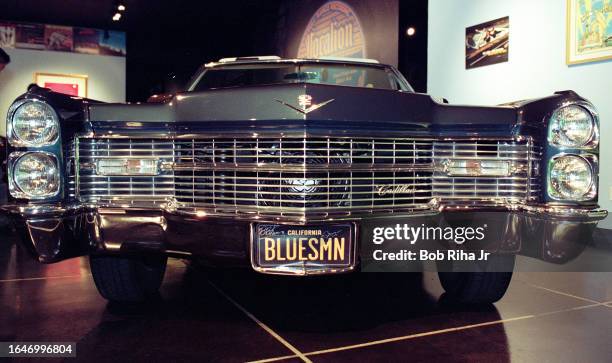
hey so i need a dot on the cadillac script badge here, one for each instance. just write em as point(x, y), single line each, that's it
point(394, 189)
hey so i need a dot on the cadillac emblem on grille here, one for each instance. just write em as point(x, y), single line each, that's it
point(305, 188)
point(305, 103)
point(383, 190)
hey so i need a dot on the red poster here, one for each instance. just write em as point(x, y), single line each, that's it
point(66, 88)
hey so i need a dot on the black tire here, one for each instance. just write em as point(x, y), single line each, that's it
point(485, 284)
point(128, 279)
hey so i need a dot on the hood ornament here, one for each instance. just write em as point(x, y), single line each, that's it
point(305, 103)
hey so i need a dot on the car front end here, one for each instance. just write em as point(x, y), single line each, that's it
point(293, 178)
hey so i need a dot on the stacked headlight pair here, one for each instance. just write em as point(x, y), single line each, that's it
point(34, 173)
point(572, 173)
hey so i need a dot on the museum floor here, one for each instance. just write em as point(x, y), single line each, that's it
point(241, 316)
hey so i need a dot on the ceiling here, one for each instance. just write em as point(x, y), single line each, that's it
point(90, 13)
point(98, 13)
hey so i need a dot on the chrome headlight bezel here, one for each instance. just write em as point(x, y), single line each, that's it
point(592, 140)
point(14, 188)
point(591, 192)
point(11, 133)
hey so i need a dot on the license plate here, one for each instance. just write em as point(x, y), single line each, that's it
point(320, 246)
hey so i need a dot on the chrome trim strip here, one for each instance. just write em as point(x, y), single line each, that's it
point(301, 167)
point(593, 213)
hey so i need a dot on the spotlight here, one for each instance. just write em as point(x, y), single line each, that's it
point(117, 17)
point(410, 31)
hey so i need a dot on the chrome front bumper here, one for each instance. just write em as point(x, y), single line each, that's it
point(54, 232)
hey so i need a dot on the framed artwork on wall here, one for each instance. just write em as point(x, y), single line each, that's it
point(70, 84)
point(487, 43)
point(589, 31)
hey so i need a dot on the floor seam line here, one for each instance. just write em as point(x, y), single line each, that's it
point(430, 333)
point(275, 335)
point(564, 293)
point(42, 278)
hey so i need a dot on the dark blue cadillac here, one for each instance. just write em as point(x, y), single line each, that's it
point(285, 166)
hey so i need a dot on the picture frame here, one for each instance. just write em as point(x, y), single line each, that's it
point(588, 32)
point(487, 43)
point(70, 84)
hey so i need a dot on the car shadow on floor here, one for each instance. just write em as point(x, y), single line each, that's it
point(336, 310)
point(195, 315)
point(332, 303)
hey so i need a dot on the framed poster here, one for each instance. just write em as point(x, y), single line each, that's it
point(7, 35)
point(58, 38)
point(30, 36)
point(87, 40)
point(487, 43)
point(112, 43)
point(589, 31)
point(70, 84)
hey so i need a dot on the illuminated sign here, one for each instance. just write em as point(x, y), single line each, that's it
point(334, 30)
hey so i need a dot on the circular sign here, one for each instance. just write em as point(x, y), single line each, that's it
point(334, 30)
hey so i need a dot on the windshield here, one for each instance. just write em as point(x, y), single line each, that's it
point(263, 74)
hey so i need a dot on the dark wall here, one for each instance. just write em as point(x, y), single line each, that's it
point(378, 18)
point(164, 36)
point(413, 49)
point(177, 36)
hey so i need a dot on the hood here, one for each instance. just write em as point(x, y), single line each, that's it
point(305, 107)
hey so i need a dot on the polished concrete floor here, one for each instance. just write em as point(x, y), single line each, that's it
point(238, 316)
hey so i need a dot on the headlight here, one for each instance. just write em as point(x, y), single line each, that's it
point(571, 178)
point(35, 176)
point(34, 123)
point(571, 126)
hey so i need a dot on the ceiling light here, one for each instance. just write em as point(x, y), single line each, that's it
point(117, 17)
point(121, 7)
point(410, 31)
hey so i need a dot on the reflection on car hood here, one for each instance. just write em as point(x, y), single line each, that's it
point(304, 107)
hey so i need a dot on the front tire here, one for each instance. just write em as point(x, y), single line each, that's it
point(128, 279)
point(486, 285)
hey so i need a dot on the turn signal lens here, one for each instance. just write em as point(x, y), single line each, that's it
point(110, 167)
point(478, 168)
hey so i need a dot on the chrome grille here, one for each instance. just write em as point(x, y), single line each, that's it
point(302, 177)
point(521, 186)
point(70, 151)
point(93, 187)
